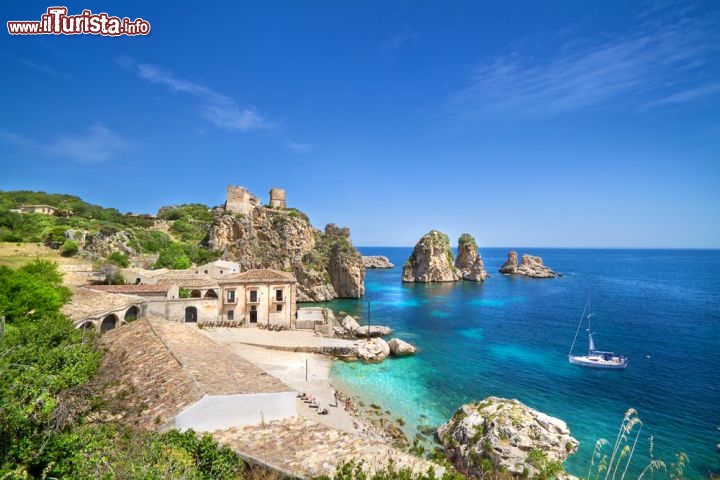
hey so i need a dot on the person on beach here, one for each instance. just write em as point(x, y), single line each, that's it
point(336, 398)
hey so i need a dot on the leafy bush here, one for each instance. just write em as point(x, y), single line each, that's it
point(119, 259)
point(69, 248)
point(34, 290)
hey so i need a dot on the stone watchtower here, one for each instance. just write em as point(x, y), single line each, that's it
point(277, 198)
point(240, 200)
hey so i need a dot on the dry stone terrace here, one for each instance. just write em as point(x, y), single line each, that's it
point(301, 447)
point(166, 367)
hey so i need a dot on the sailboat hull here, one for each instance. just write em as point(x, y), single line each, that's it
point(599, 361)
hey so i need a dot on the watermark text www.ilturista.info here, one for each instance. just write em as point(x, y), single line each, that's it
point(57, 22)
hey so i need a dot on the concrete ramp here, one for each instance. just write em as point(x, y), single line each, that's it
point(216, 412)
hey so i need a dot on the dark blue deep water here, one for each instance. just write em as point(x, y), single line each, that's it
point(510, 337)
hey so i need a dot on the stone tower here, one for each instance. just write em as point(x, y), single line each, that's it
point(277, 198)
point(240, 200)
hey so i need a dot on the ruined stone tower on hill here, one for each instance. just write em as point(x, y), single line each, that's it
point(277, 198)
point(240, 200)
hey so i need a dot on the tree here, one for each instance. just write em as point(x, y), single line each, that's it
point(31, 291)
point(110, 272)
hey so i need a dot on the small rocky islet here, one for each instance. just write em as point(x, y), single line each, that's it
point(530, 266)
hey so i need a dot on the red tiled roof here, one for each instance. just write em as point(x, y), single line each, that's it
point(261, 275)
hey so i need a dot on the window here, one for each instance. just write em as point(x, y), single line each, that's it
point(279, 307)
point(231, 314)
point(253, 296)
point(231, 296)
point(278, 296)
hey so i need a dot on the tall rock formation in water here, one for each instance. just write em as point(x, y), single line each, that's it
point(469, 262)
point(326, 265)
point(432, 260)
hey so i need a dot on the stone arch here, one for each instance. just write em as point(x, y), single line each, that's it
point(87, 325)
point(132, 314)
point(195, 293)
point(191, 315)
point(211, 294)
point(108, 323)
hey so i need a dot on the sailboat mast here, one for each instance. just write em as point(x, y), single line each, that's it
point(582, 317)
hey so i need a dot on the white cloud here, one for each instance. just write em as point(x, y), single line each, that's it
point(651, 65)
point(46, 69)
point(221, 110)
point(15, 139)
point(98, 145)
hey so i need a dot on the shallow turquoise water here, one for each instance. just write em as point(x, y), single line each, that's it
point(510, 337)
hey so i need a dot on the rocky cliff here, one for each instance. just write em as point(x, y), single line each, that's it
point(507, 433)
point(432, 260)
point(326, 264)
point(529, 266)
point(469, 262)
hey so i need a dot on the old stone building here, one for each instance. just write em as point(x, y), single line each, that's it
point(218, 268)
point(277, 198)
point(240, 200)
point(42, 209)
point(259, 297)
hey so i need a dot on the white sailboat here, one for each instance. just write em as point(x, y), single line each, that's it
point(595, 358)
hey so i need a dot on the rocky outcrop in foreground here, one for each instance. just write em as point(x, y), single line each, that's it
point(469, 262)
point(326, 264)
point(376, 261)
point(530, 266)
point(432, 260)
point(504, 432)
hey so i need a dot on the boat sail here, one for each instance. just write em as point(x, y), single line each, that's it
point(595, 358)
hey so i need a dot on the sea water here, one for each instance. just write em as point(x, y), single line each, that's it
point(510, 337)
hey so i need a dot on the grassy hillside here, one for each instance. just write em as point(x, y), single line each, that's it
point(186, 226)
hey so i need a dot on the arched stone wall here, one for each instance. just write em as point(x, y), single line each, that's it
point(108, 323)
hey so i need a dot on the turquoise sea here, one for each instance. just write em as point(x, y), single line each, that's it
point(510, 337)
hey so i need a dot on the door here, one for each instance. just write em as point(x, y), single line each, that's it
point(253, 314)
point(191, 315)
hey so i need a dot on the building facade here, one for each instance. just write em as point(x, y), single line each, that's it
point(256, 297)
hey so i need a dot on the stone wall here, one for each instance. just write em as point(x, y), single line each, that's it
point(239, 200)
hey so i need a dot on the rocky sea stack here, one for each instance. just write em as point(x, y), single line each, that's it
point(326, 265)
point(505, 432)
point(530, 266)
point(432, 260)
point(376, 261)
point(469, 261)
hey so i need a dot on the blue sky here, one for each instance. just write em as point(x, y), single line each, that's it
point(578, 124)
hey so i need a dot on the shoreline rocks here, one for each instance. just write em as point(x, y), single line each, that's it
point(469, 262)
point(376, 261)
point(505, 432)
point(399, 348)
point(432, 260)
point(530, 266)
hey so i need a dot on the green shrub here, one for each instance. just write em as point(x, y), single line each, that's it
point(69, 248)
point(119, 259)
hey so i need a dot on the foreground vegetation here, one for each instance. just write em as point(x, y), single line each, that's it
point(53, 422)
